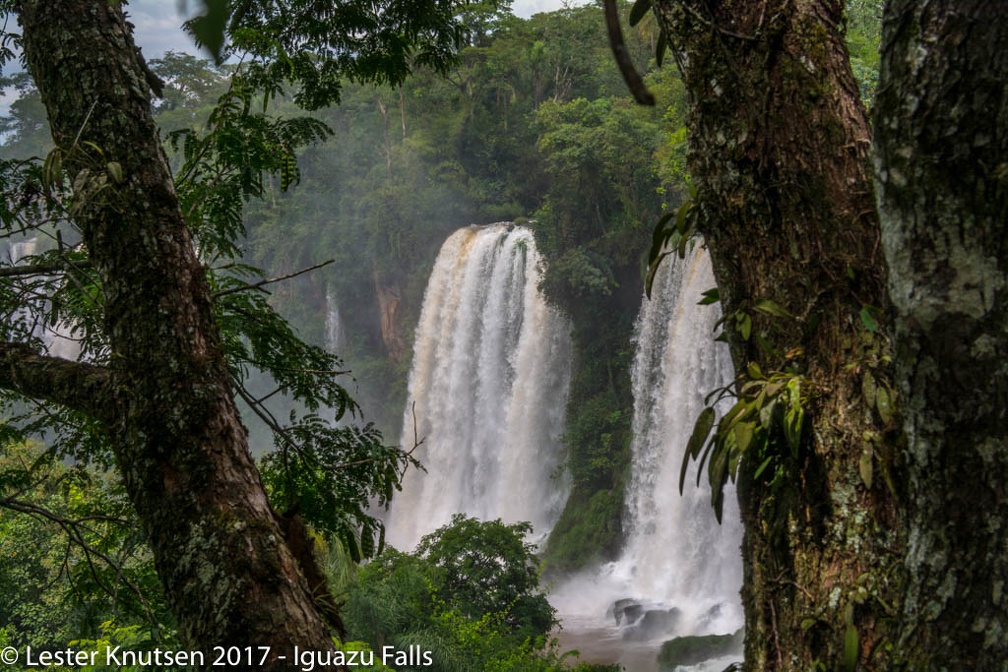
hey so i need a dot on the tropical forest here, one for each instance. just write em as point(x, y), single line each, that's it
point(459, 336)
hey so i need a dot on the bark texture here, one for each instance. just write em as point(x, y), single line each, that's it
point(171, 418)
point(942, 180)
point(779, 154)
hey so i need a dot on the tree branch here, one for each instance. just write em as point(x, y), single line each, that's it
point(626, 67)
point(33, 269)
point(268, 281)
point(77, 385)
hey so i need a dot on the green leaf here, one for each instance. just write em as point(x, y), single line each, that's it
point(754, 371)
point(865, 467)
point(868, 320)
point(701, 430)
point(718, 474)
point(209, 28)
point(850, 648)
point(709, 297)
point(744, 434)
point(883, 402)
point(115, 171)
point(868, 389)
point(770, 308)
point(737, 412)
point(769, 414)
point(744, 325)
point(639, 11)
point(793, 421)
point(762, 467)
point(661, 234)
point(652, 270)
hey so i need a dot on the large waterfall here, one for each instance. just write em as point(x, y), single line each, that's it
point(680, 572)
point(676, 552)
point(487, 392)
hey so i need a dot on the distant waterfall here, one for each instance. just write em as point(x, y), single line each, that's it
point(335, 334)
point(487, 392)
point(676, 553)
point(57, 338)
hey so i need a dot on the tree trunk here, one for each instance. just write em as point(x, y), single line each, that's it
point(779, 154)
point(177, 437)
point(942, 166)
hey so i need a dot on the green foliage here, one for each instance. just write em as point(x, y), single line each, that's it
point(864, 35)
point(469, 595)
point(588, 531)
point(294, 44)
point(488, 568)
point(331, 475)
point(767, 424)
point(76, 557)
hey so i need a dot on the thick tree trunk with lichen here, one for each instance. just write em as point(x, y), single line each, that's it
point(779, 154)
point(165, 397)
point(942, 178)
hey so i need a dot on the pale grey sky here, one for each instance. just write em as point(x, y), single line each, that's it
point(158, 29)
point(157, 21)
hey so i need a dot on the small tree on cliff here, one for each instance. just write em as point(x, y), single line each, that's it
point(855, 548)
point(169, 336)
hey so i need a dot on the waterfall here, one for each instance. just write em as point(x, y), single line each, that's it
point(335, 334)
point(487, 391)
point(676, 553)
point(680, 572)
point(58, 339)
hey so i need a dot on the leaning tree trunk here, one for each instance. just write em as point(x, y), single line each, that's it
point(167, 402)
point(942, 175)
point(779, 153)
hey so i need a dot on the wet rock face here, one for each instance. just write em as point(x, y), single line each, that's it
point(654, 624)
point(641, 622)
point(627, 608)
point(697, 649)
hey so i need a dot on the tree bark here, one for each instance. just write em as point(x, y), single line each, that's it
point(172, 422)
point(779, 153)
point(942, 180)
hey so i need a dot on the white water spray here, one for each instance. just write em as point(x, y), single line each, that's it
point(488, 391)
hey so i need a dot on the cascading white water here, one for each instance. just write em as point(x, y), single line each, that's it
point(335, 335)
point(487, 392)
point(677, 561)
point(57, 339)
point(676, 553)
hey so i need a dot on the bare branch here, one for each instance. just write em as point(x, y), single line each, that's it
point(268, 281)
point(38, 269)
point(626, 67)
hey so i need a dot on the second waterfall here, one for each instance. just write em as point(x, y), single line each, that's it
point(487, 392)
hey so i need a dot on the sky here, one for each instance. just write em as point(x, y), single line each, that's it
point(157, 28)
point(157, 21)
